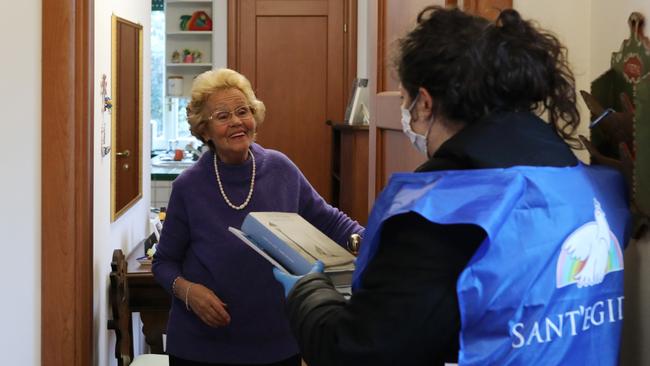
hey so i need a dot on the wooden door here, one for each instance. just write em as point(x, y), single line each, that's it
point(390, 150)
point(293, 52)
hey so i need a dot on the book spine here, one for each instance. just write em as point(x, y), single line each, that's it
point(275, 246)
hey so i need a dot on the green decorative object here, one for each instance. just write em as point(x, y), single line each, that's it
point(621, 136)
point(185, 19)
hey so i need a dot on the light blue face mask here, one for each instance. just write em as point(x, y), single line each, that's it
point(419, 141)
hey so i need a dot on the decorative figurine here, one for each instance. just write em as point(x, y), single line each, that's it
point(200, 21)
point(196, 55)
point(187, 56)
point(108, 103)
point(620, 102)
point(184, 20)
point(176, 57)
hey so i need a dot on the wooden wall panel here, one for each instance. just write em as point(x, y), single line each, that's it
point(489, 9)
point(408, 158)
point(66, 188)
point(354, 174)
point(388, 20)
point(384, 29)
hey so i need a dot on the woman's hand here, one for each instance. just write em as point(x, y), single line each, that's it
point(207, 306)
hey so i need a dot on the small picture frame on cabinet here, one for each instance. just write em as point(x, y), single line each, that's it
point(357, 102)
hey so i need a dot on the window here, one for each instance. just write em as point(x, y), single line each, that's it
point(157, 77)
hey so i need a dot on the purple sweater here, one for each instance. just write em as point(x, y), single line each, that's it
point(195, 243)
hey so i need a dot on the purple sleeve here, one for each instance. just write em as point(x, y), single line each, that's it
point(174, 240)
point(330, 220)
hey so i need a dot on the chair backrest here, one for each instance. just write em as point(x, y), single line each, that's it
point(118, 296)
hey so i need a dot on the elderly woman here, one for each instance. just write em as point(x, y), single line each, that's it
point(227, 308)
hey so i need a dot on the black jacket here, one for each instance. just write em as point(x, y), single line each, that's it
point(406, 310)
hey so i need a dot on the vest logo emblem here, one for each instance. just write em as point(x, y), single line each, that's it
point(589, 253)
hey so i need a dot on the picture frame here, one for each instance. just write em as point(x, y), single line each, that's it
point(126, 115)
point(356, 110)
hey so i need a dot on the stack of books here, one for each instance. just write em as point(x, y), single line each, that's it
point(293, 245)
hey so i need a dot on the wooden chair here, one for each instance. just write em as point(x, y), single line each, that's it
point(118, 295)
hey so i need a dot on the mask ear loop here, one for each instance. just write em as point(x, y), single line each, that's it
point(410, 109)
point(426, 136)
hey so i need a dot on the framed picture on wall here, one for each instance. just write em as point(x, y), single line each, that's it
point(358, 102)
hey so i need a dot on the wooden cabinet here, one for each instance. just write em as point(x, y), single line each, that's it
point(148, 298)
point(350, 170)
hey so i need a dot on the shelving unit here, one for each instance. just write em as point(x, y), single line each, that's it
point(178, 40)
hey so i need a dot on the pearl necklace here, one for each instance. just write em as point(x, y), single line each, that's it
point(223, 193)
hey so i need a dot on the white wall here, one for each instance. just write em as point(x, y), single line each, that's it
point(131, 227)
point(220, 34)
point(20, 186)
point(362, 38)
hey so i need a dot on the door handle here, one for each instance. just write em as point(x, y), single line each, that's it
point(124, 153)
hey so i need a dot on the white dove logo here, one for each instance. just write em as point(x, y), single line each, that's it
point(589, 253)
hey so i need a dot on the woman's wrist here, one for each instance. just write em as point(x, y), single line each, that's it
point(180, 290)
point(175, 285)
point(187, 297)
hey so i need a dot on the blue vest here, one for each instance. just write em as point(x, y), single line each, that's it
point(546, 285)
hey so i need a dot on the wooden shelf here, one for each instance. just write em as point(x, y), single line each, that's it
point(184, 2)
point(189, 33)
point(187, 64)
point(345, 126)
point(193, 40)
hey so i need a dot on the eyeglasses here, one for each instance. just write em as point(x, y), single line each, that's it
point(223, 117)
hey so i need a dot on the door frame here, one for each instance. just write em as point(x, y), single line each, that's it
point(67, 182)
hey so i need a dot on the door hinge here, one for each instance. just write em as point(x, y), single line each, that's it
point(345, 28)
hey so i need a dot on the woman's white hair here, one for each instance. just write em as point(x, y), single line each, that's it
point(220, 79)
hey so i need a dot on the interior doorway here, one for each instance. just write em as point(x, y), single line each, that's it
point(301, 59)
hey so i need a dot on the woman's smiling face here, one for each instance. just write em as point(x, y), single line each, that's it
point(232, 138)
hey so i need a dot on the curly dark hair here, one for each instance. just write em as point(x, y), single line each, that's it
point(473, 68)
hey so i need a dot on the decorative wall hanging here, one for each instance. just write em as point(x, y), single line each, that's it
point(108, 104)
point(620, 98)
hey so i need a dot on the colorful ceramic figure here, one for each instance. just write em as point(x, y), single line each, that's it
point(187, 56)
point(200, 21)
point(196, 54)
point(176, 57)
